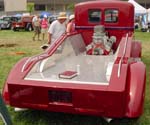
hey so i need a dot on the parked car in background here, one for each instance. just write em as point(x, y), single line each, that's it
point(9, 20)
point(6, 22)
point(52, 18)
point(24, 23)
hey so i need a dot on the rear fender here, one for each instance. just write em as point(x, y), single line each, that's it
point(136, 49)
point(135, 89)
point(14, 72)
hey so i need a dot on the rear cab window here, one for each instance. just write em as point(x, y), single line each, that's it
point(111, 15)
point(94, 15)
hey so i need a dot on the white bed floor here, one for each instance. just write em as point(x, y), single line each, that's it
point(92, 70)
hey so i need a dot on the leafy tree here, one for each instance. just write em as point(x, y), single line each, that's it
point(30, 7)
point(71, 7)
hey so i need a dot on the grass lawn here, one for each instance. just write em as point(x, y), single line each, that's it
point(16, 45)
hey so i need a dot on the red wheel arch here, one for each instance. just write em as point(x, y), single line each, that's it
point(135, 89)
point(136, 49)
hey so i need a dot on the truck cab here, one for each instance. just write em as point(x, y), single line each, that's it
point(113, 15)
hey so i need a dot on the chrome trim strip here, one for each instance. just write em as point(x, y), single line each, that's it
point(124, 51)
point(23, 67)
point(107, 27)
point(68, 81)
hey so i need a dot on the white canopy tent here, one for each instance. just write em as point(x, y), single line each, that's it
point(138, 8)
point(140, 12)
point(148, 13)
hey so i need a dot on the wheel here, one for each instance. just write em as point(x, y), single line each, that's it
point(29, 28)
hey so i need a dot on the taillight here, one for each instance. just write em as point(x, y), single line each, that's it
point(5, 94)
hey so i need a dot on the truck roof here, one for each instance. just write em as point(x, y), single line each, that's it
point(125, 9)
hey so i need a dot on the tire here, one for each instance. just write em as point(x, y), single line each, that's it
point(30, 28)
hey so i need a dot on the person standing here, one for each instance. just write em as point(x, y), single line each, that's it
point(57, 28)
point(44, 26)
point(71, 24)
point(37, 27)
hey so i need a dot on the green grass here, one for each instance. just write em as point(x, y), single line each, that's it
point(12, 42)
point(145, 39)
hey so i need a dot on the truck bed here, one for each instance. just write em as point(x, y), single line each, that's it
point(92, 70)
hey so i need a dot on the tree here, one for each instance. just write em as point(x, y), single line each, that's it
point(71, 7)
point(30, 7)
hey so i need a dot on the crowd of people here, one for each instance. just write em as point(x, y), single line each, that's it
point(53, 31)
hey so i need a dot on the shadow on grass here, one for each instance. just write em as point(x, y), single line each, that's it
point(8, 45)
point(34, 117)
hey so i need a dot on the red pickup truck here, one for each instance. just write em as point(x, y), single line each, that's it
point(24, 23)
point(95, 70)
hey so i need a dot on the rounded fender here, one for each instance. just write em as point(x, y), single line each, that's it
point(14, 72)
point(136, 49)
point(135, 89)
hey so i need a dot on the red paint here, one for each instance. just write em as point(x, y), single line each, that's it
point(123, 97)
